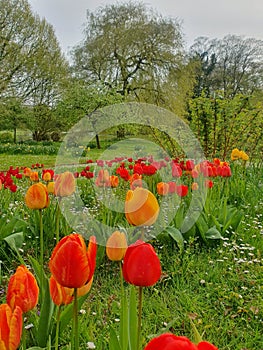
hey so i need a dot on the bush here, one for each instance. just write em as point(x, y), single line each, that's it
point(6, 137)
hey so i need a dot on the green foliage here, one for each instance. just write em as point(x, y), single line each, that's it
point(6, 137)
point(223, 124)
point(34, 148)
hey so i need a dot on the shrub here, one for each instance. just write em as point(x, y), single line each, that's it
point(6, 137)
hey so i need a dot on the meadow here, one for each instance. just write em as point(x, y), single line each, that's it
point(211, 284)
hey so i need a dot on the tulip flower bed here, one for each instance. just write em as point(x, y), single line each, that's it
point(148, 278)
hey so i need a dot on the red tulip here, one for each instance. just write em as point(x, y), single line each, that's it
point(176, 170)
point(209, 183)
point(182, 190)
point(10, 327)
point(71, 263)
point(172, 187)
point(189, 164)
point(226, 171)
point(169, 341)
point(141, 265)
point(204, 345)
point(22, 290)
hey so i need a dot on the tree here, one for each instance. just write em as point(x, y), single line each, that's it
point(14, 115)
point(33, 68)
point(80, 99)
point(232, 65)
point(17, 34)
point(129, 49)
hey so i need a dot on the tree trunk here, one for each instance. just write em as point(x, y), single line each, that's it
point(98, 141)
point(14, 134)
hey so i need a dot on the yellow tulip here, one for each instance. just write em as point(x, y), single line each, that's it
point(141, 207)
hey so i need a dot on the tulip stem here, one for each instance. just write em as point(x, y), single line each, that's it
point(75, 330)
point(121, 279)
point(139, 317)
point(57, 221)
point(41, 248)
point(57, 327)
point(23, 334)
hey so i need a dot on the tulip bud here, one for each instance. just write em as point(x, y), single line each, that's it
point(116, 246)
point(65, 184)
point(10, 327)
point(71, 263)
point(141, 207)
point(141, 265)
point(22, 290)
point(37, 196)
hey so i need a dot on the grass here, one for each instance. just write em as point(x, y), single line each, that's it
point(218, 287)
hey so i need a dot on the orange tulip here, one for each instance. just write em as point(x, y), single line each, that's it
point(116, 246)
point(27, 172)
point(65, 184)
point(162, 188)
point(60, 295)
point(141, 207)
point(22, 290)
point(51, 187)
point(135, 181)
point(195, 186)
point(114, 181)
point(85, 289)
point(103, 178)
point(71, 263)
point(34, 176)
point(37, 196)
point(46, 176)
point(10, 327)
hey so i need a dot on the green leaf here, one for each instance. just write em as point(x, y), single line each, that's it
point(197, 336)
point(179, 216)
point(177, 236)
point(133, 320)
point(7, 228)
point(46, 307)
point(213, 233)
point(234, 218)
point(114, 342)
point(123, 322)
point(15, 240)
point(202, 226)
point(66, 314)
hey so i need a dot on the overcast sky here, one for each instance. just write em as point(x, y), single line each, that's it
point(211, 18)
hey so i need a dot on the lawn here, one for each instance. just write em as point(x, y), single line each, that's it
point(212, 285)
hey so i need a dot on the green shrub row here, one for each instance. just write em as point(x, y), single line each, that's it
point(34, 148)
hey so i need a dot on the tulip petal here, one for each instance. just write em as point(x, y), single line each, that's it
point(69, 265)
point(15, 329)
